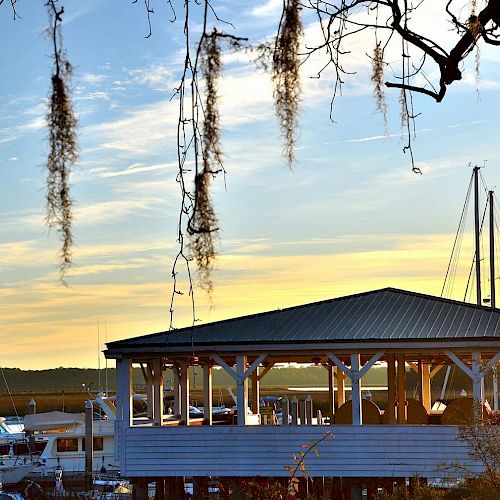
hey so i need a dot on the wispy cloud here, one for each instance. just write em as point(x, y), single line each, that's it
point(138, 168)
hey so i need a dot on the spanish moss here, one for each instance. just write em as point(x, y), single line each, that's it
point(286, 77)
point(63, 148)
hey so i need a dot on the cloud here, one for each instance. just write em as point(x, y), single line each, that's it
point(138, 168)
point(269, 8)
point(93, 78)
point(142, 130)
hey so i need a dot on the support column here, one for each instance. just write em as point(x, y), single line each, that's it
point(242, 390)
point(148, 375)
point(89, 442)
point(357, 413)
point(495, 388)
point(184, 376)
point(424, 375)
point(391, 389)
point(331, 391)
point(157, 366)
point(477, 386)
point(401, 383)
point(124, 413)
point(124, 391)
point(177, 389)
point(255, 391)
point(207, 393)
point(340, 387)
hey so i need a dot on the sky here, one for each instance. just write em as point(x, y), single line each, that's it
point(350, 217)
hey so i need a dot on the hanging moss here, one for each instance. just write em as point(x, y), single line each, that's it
point(203, 225)
point(377, 79)
point(63, 147)
point(286, 77)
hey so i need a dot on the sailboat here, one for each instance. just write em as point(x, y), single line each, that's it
point(474, 186)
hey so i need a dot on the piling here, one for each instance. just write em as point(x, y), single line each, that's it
point(89, 443)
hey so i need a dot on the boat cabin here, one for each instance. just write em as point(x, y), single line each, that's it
point(412, 436)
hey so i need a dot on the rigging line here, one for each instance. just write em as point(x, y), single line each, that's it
point(464, 211)
point(456, 254)
point(10, 393)
point(474, 255)
point(456, 260)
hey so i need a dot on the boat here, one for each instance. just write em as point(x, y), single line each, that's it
point(63, 435)
point(14, 469)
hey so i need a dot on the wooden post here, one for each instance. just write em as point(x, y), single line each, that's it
point(357, 412)
point(184, 376)
point(177, 389)
point(308, 410)
point(391, 389)
point(340, 388)
point(495, 388)
point(157, 367)
point(424, 375)
point(160, 493)
point(477, 385)
point(140, 489)
point(331, 390)
point(401, 388)
point(285, 410)
point(124, 391)
point(255, 391)
point(295, 410)
point(207, 393)
point(242, 390)
point(148, 373)
point(89, 442)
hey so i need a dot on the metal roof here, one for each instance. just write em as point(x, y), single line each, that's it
point(387, 315)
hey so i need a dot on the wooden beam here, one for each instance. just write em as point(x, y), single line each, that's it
point(224, 365)
point(493, 361)
point(255, 364)
point(370, 363)
point(413, 366)
point(339, 363)
point(436, 370)
point(265, 371)
point(463, 366)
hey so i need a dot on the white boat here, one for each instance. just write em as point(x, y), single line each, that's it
point(15, 469)
point(10, 431)
point(64, 435)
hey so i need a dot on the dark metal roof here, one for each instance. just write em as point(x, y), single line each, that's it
point(387, 315)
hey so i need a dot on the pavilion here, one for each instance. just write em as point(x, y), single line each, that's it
point(348, 336)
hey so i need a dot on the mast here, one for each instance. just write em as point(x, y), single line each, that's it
point(476, 235)
point(492, 249)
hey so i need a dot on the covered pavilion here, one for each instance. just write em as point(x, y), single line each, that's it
point(346, 335)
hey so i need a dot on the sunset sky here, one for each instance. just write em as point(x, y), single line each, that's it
point(350, 217)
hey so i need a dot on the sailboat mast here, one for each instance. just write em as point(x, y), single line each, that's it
point(476, 235)
point(492, 248)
